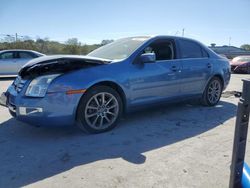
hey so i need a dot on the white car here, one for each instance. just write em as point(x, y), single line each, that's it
point(11, 61)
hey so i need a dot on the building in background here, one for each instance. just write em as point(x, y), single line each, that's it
point(229, 51)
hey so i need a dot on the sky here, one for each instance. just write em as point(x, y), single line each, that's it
point(222, 22)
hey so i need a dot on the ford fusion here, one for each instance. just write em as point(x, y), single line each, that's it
point(93, 91)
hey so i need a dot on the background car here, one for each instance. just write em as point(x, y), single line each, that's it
point(11, 61)
point(240, 64)
point(93, 91)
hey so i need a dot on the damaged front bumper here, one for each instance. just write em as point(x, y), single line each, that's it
point(24, 111)
point(57, 109)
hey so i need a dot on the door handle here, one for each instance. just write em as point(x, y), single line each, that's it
point(209, 65)
point(174, 68)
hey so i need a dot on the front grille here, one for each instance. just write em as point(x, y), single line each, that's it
point(19, 83)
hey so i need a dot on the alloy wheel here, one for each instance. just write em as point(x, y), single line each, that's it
point(214, 91)
point(101, 110)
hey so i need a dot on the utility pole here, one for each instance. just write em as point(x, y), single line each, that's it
point(183, 31)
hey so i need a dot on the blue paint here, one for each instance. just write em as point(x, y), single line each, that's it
point(246, 176)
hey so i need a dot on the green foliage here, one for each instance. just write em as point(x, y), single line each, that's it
point(71, 46)
point(245, 47)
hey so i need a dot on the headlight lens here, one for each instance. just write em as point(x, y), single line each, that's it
point(38, 86)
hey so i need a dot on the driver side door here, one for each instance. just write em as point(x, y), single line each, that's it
point(157, 81)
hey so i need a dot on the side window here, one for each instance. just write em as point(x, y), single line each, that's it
point(163, 49)
point(26, 55)
point(6, 55)
point(190, 49)
point(204, 53)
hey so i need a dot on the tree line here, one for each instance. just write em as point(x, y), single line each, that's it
point(45, 46)
point(71, 46)
point(245, 47)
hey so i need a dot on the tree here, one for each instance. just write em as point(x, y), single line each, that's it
point(72, 46)
point(245, 47)
point(107, 41)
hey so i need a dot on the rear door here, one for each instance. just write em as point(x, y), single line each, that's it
point(196, 67)
point(22, 58)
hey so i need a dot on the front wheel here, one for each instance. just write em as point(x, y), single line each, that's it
point(99, 110)
point(212, 93)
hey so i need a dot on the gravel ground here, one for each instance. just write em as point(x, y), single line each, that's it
point(179, 145)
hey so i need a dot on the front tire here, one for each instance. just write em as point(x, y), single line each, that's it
point(212, 93)
point(99, 110)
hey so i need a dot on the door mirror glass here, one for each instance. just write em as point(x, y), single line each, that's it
point(148, 58)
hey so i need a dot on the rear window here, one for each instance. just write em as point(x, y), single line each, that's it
point(190, 49)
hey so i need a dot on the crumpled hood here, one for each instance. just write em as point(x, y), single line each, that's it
point(58, 64)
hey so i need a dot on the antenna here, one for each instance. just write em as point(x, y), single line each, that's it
point(183, 32)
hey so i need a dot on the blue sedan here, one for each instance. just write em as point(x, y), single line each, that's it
point(93, 91)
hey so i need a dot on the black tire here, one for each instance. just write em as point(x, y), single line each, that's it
point(13, 114)
point(84, 122)
point(206, 97)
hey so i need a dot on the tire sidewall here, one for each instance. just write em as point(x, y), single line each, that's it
point(81, 122)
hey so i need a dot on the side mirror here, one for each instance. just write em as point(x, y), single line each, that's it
point(148, 58)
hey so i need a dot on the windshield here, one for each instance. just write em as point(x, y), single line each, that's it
point(120, 49)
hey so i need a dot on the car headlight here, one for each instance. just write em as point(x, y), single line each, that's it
point(38, 86)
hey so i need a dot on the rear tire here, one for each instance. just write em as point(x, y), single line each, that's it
point(99, 110)
point(212, 93)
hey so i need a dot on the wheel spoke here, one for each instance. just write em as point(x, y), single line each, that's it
point(109, 101)
point(106, 117)
point(210, 97)
point(113, 106)
point(111, 113)
point(101, 122)
point(103, 98)
point(92, 107)
point(94, 122)
point(96, 100)
point(91, 115)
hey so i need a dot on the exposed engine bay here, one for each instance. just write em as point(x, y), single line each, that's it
point(57, 64)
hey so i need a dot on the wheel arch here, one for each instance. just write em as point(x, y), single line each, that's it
point(214, 76)
point(114, 86)
point(221, 79)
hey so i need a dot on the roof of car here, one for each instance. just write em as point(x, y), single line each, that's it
point(19, 50)
point(161, 36)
